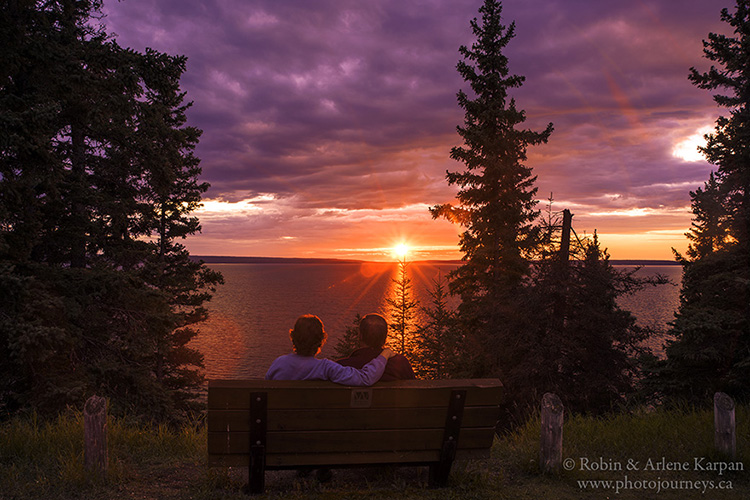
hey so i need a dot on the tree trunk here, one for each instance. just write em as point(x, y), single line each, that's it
point(78, 207)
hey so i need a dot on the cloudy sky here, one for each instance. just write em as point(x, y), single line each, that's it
point(327, 124)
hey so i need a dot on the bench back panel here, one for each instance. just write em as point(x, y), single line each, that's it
point(314, 422)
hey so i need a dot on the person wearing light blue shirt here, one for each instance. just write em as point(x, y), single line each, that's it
point(308, 336)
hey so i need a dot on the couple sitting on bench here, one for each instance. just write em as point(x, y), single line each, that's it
point(282, 423)
point(367, 365)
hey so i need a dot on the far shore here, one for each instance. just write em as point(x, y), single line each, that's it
point(228, 259)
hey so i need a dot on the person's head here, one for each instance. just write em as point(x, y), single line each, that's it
point(308, 335)
point(373, 330)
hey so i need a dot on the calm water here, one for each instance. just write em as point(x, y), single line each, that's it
point(252, 313)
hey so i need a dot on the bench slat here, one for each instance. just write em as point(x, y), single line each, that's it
point(352, 418)
point(346, 459)
point(262, 384)
point(332, 396)
point(347, 441)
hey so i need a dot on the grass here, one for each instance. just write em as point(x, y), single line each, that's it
point(44, 459)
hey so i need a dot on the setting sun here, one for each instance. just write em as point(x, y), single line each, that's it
point(401, 250)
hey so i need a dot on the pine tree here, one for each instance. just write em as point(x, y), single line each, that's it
point(496, 202)
point(711, 350)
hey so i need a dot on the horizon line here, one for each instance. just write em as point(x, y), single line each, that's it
point(244, 259)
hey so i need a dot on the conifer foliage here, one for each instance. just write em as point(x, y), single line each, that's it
point(98, 180)
point(586, 348)
point(349, 342)
point(403, 308)
point(438, 339)
point(496, 204)
point(711, 351)
point(536, 320)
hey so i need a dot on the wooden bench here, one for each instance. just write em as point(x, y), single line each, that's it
point(271, 425)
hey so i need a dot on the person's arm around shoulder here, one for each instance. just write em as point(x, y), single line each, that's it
point(387, 353)
point(368, 375)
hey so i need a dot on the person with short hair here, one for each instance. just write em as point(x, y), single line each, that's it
point(308, 336)
point(373, 332)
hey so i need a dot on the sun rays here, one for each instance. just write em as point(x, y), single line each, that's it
point(401, 251)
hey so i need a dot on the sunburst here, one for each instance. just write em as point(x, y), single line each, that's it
point(401, 251)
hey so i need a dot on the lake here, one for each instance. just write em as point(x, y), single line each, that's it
point(251, 314)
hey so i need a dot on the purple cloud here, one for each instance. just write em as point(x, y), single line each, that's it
point(346, 105)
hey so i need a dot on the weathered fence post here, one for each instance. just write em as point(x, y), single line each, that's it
point(725, 439)
point(95, 435)
point(550, 453)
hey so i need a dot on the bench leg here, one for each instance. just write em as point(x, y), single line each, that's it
point(439, 471)
point(257, 471)
point(257, 464)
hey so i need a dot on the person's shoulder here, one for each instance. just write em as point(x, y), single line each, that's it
point(279, 367)
point(363, 351)
point(285, 357)
point(400, 359)
point(398, 368)
point(291, 360)
point(353, 354)
point(280, 359)
point(359, 357)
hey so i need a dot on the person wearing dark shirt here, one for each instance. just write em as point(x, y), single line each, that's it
point(373, 330)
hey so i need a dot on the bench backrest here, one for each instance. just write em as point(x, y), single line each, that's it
point(321, 423)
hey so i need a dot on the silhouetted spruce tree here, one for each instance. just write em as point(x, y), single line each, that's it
point(496, 204)
point(709, 231)
point(588, 349)
point(403, 308)
point(97, 182)
point(711, 350)
point(350, 341)
point(438, 351)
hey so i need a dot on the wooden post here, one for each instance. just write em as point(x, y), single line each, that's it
point(550, 453)
point(725, 438)
point(565, 237)
point(561, 301)
point(95, 435)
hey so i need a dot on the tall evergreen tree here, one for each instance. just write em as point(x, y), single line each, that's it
point(711, 350)
point(496, 202)
point(728, 147)
point(97, 183)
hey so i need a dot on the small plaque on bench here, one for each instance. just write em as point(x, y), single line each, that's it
point(361, 398)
